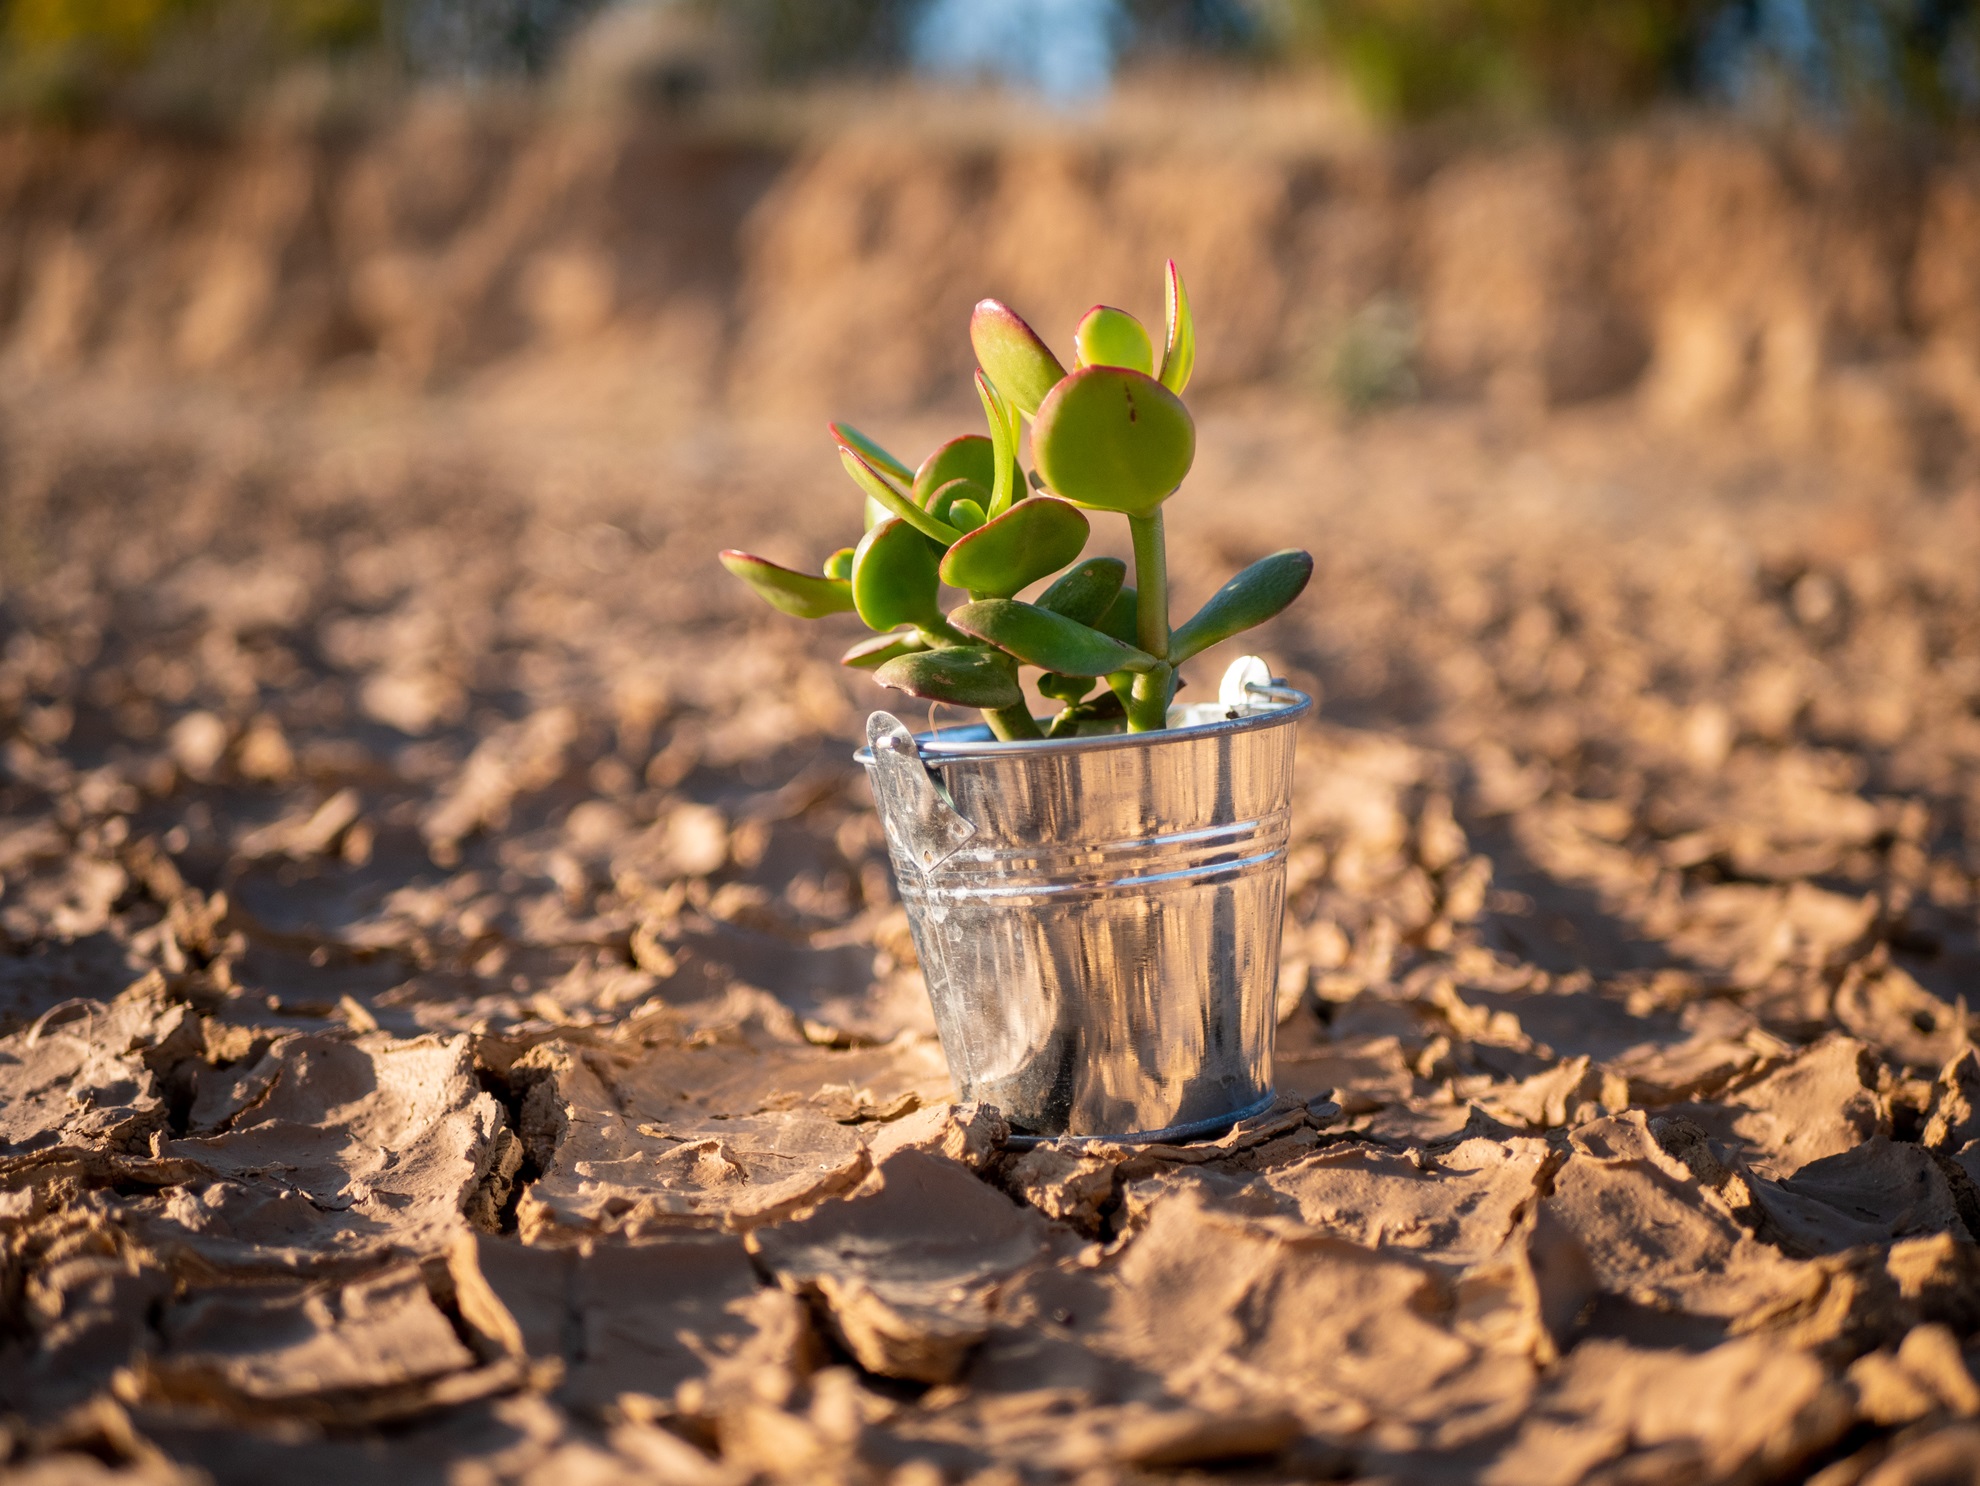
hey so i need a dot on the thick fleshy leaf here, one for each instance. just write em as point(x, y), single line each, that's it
point(1252, 597)
point(1064, 688)
point(965, 515)
point(964, 677)
point(1113, 439)
point(1033, 538)
point(1110, 337)
point(893, 577)
point(1121, 617)
point(1179, 350)
point(805, 595)
point(1038, 637)
point(1002, 416)
point(1084, 593)
point(946, 496)
point(1022, 365)
point(876, 650)
point(897, 502)
point(969, 457)
point(851, 438)
point(840, 564)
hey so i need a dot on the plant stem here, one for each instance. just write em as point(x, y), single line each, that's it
point(1151, 582)
point(1013, 724)
point(1148, 707)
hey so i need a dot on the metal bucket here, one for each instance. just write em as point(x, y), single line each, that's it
point(1098, 917)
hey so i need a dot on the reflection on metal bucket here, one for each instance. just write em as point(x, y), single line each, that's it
point(1098, 918)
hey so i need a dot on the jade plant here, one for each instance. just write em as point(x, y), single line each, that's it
point(1111, 434)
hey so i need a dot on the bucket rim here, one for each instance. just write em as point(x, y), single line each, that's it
point(968, 742)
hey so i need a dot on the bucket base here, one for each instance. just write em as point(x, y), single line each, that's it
point(1168, 1135)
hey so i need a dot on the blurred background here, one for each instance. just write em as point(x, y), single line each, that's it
point(332, 329)
point(1401, 59)
point(770, 206)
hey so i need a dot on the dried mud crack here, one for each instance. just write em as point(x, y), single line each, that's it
point(456, 1012)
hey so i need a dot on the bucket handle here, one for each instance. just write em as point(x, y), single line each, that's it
point(1248, 677)
point(921, 819)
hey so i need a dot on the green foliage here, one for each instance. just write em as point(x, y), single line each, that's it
point(894, 499)
point(800, 38)
point(894, 578)
point(1255, 595)
point(1032, 540)
point(944, 499)
point(876, 650)
point(1121, 618)
point(1111, 337)
point(77, 59)
point(128, 31)
point(851, 438)
point(1039, 637)
point(798, 594)
point(1084, 593)
point(1179, 343)
point(1114, 439)
point(964, 677)
point(1107, 436)
point(1410, 59)
point(1019, 365)
point(969, 457)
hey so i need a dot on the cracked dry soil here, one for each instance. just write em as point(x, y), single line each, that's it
point(456, 1023)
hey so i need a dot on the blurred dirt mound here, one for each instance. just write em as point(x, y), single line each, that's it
point(1826, 287)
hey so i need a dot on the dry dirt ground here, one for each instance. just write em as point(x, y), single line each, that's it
point(456, 1022)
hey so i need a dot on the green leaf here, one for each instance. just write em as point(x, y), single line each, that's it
point(877, 650)
point(1038, 637)
point(966, 515)
point(1122, 617)
point(965, 677)
point(897, 502)
point(1064, 688)
point(947, 495)
point(840, 564)
point(1022, 365)
point(1111, 337)
point(1033, 538)
point(969, 457)
point(1003, 420)
point(1113, 439)
point(849, 437)
point(1179, 351)
point(893, 578)
point(1084, 593)
point(802, 594)
point(1252, 597)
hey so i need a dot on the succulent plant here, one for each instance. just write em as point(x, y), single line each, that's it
point(1111, 434)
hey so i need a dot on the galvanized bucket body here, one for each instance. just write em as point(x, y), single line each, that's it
point(1098, 918)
